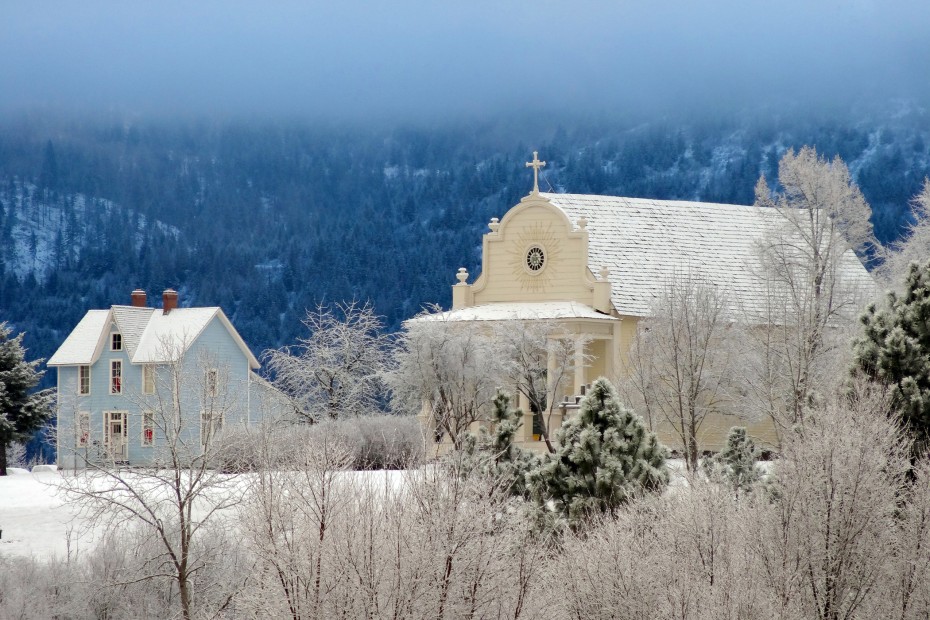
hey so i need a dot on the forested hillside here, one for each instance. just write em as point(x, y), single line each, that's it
point(267, 218)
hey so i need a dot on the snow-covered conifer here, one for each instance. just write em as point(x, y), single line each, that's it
point(894, 350)
point(605, 457)
point(21, 412)
point(736, 463)
point(495, 455)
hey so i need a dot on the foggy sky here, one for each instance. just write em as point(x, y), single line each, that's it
point(442, 59)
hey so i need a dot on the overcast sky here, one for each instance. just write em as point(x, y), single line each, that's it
point(404, 59)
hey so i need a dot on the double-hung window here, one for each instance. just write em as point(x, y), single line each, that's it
point(148, 428)
point(148, 378)
point(210, 381)
point(116, 376)
point(211, 422)
point(83, 380)
point(116, 341)
point(83, 428)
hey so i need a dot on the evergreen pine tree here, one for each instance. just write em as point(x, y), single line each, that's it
point(21, 413)
point(894, 350)
point(495, 454)
point(605, 457)
point(736, 463)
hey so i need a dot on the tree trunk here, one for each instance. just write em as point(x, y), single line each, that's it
point(185, 592)
point(544, 431)
point(692, 451)
point(2, 458)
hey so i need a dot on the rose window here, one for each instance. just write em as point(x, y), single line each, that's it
point(535, 259)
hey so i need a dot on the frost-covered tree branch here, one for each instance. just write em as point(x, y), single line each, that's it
point(336, 371)
point(448, 370)
point(812, 293)
point(183, 494)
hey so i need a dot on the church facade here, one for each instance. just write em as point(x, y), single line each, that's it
point(597, 265)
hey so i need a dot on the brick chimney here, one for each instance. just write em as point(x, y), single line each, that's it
point(169, 300)
point(138, 298)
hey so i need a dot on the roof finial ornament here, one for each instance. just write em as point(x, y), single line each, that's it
point(535, 165)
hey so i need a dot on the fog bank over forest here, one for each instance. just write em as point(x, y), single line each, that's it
point(408, 60)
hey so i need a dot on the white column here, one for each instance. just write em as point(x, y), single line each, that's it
point(551, 371)
point(579, 364)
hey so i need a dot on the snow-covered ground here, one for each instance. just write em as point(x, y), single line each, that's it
point(37, 520)
point(34, 517)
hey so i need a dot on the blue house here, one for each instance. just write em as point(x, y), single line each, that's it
point(135, 383)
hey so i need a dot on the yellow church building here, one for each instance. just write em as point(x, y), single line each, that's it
point(596, 265)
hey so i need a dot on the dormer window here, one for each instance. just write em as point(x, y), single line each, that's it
point(116, 341)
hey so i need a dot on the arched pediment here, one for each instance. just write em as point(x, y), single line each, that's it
point(534, 253)
point(532, 202)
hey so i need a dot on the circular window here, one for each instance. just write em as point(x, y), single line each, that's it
point(535, 259)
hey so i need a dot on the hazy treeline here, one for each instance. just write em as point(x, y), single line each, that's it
point(268, 218)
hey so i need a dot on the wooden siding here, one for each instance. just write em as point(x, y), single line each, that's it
point(214, 348)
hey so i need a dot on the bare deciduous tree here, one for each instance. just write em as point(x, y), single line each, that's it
point(914, 245)
point(826, 544)
point(806, 261)
point(447, 369)
point(836, 534)
point(182, 496)
point(681, 360)
point(539, 358)
point(431, 543)
point(336, 371)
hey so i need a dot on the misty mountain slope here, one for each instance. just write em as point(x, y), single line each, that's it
point(44, 232)
point(267, 219)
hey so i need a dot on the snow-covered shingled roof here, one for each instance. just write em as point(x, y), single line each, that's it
point(81, 345)
point(519, 311)
point(643, 242)
point(148, 334)
point(131, 322)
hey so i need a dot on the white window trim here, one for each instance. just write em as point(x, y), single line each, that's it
point(113, 364)
point(115, 333)
point(151, 369)
point(142, 440)
point(89, 381)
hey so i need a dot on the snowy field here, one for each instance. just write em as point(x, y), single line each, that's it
point(36, 519)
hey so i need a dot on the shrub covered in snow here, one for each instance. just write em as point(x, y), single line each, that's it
point(374, 442)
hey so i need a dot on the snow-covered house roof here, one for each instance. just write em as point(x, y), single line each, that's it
point(643, 242)
point(149, 334)
point(81, 346)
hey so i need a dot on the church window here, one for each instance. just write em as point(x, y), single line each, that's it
point(535, 259)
